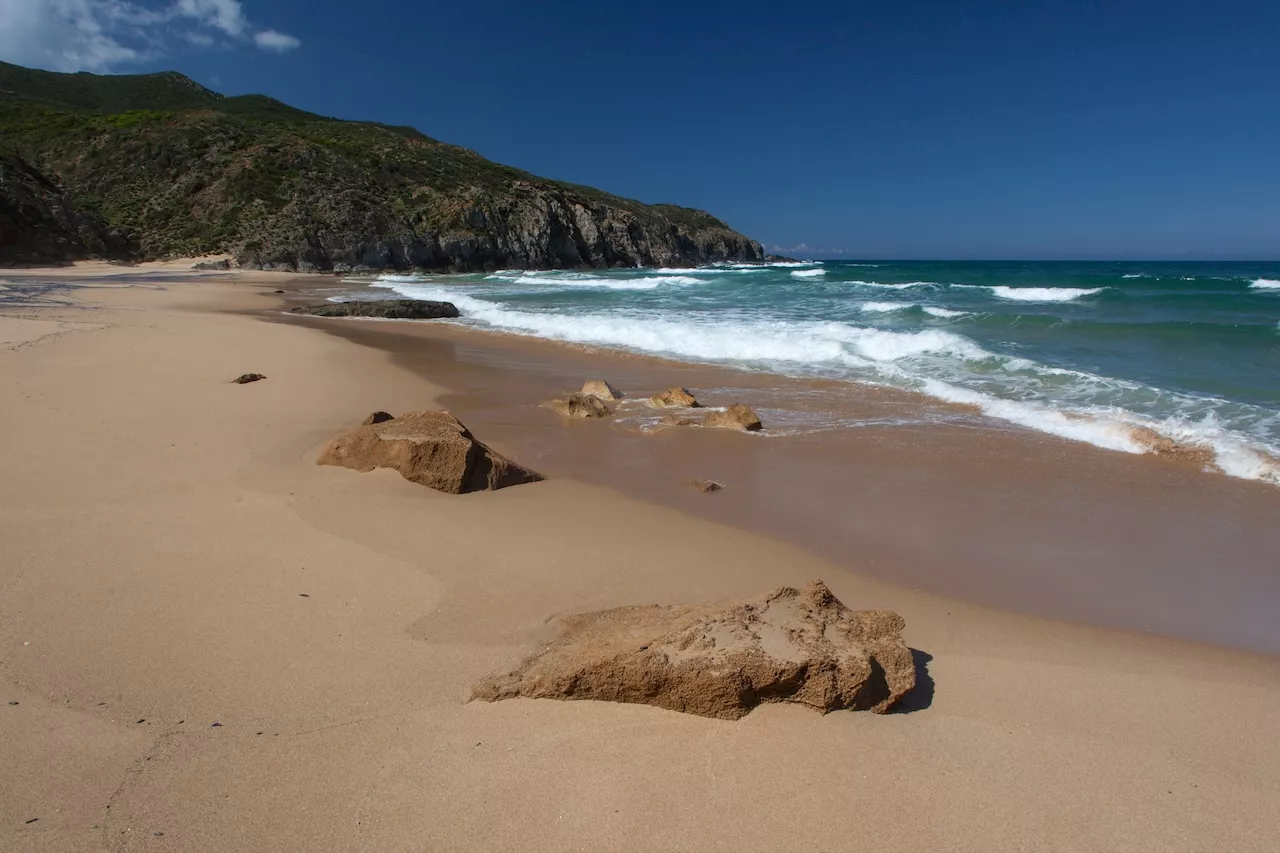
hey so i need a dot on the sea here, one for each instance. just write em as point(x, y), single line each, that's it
point(1126, 356)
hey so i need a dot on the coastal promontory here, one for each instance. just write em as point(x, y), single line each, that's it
point(153, 166)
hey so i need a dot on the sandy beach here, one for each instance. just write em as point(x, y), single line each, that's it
point(208, 642)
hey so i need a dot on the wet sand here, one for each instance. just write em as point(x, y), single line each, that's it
point(208, 642)
point(912, 491)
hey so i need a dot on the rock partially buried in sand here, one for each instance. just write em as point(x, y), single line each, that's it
point(706, 485)
point(387, 309)
point(737, 417)
point(246, 378)
point(724, 658)
point(602, 389)
point(675, 398)
point(430, 448)
point(580, 406)
point(1161, 445)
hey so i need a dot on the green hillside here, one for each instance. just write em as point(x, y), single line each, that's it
point(177, 170)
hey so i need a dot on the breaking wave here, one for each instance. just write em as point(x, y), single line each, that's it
point(1121, 415)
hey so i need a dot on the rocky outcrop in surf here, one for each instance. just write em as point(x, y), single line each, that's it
point(383, 309)
point(724, 658)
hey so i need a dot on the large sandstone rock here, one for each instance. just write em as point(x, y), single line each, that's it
point(602, 389)
point(737, 417)
point(431, 448)
point(724, 658)
point(387, 309)
point(675, 398)
point(580, 406)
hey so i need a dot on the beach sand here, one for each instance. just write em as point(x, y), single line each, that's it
point(215, 644)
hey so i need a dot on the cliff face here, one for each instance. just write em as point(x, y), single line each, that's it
point(39, 224)
point(529, 228)
point(172, 169)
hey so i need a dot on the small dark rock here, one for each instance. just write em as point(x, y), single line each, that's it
point(378, 418)
point(246, 378)
point(33, 820)
point(143, 720)
point(387, 309)
point(13, 703)
point(216, 726)
point(303, 595)
point(278, 291)
point(707, 485)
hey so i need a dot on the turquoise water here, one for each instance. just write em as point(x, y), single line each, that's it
point(1109, 353)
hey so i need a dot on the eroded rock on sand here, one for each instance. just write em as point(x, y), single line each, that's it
point(386, 309)
point(580, 406)
point(675, 398)
point(602, 389)
point(246, 378)
point(430, 448)
point(737, 417)
point(723, 658)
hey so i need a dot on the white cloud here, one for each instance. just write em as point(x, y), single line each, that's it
point(272, 40)
point(102, 35)
point(225, 15)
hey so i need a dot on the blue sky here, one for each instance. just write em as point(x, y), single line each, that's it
point(981, 129)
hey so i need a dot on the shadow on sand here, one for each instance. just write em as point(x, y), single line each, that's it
point(921, 696)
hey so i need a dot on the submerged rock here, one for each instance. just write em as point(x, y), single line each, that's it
point(737, 417)
point(580, 406)
point(678, 421)
point(602, 389)
point(430, 448)
point(387, 309)
point(675, 398)
point(724, 658)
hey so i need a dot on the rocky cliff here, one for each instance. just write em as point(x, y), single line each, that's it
point(39, 224)
point(153, 166)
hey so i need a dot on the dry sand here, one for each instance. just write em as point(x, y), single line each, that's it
point(172, 559)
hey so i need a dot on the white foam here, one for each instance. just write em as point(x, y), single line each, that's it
point(1265, 284)
point(945, 313)
point(903, 286)
point(1043, 294)
point(1112, 436)
point(808, 273)
point(1058, 401)
point(1135, 275)
point(884, 307)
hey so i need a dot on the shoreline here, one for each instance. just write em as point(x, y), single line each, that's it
point(161, 526)
point(1013, 515)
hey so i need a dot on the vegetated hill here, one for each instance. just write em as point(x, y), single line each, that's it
point(155, 165)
